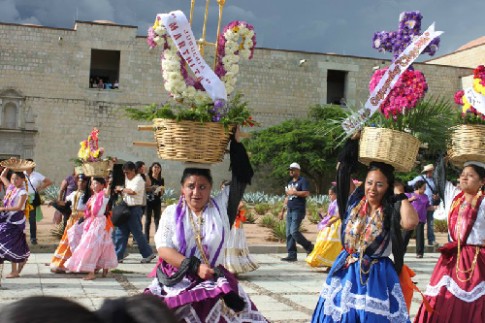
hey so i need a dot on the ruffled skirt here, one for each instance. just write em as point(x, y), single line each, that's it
point(456, 298)
point(237, 257)
point(13, 242)
point(345, 299)
point(193, 300)
point(327, 247)
point(63, 251)
point(96, 249)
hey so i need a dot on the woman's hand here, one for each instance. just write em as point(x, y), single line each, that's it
point(205, 272)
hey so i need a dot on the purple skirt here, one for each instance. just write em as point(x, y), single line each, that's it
point(202, 300)
point(13, 243)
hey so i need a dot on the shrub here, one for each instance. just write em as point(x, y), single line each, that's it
point(313, 217)
point(267, 221)
point(262, 208)
point(250, 218)
point(279, 230)
point(440, 226)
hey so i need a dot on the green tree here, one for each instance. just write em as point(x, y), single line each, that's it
point(305, 141)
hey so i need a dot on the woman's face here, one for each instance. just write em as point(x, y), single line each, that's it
point(156, 170)
point(470, 182)
point(96, 186)
point(422, 189)
point(196, 192)
point(81, 185)
point(376, 186)
point(16, 180)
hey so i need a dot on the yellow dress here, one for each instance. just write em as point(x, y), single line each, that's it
point(327, 247)
point(63, 251)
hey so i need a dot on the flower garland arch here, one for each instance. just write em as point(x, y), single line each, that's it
point(237, 40)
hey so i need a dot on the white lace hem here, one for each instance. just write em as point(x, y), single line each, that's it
point(455, 290)
point(366, 303)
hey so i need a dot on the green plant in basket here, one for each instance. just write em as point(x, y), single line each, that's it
point(235, 112)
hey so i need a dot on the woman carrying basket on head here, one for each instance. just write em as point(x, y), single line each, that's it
point(456, 291)
point(191, 240)
point(363, 284)
point(13, 242)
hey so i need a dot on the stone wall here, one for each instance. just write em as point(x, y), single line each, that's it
point(470, 57)
point(50, 67)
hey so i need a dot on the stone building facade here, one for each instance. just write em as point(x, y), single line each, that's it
point(47, 105)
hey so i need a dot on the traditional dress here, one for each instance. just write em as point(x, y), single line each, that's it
point(13, 243)
point(456, 291)
point(362, 285)
point(193, 299)
point(328, 245)
point(96, 249)
point(238, 260)
point(63, 251)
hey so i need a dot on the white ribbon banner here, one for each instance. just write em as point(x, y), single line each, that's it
point(356, 121)
point(476, 99)
point(179, 30)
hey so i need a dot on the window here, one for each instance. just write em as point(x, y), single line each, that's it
point(336, 86)
point(105, 69)
point(10, 116)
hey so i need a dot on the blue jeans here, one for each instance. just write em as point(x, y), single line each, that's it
point(133, 225)
point(293, 234)
point(430, 222)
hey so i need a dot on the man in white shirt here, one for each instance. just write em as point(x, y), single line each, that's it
point(133, 193)
point(36, 182)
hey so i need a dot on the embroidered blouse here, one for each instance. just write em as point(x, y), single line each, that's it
point(175, 229)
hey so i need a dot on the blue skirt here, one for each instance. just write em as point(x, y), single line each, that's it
point(345, 299)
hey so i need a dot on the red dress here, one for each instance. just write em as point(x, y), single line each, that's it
point(456, 292)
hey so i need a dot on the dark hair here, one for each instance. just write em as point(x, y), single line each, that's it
point(129, 166)
point(141, 308)
point(87, 190)
point(197, 172)
point(150, 171)
point(100, 180)
point(333, 188)
point(479, 170)
point(19, 174)
point(139, 164)
point(41, 309)
point(392, 216)
point(419, 184)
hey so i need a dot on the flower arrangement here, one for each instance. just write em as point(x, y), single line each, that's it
point(90, 150)
point(469, 114)
point(237, 40)
point(411, 86)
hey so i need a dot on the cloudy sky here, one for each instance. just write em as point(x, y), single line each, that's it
point(329, 26)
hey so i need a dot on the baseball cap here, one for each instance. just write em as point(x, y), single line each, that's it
point(294, 166)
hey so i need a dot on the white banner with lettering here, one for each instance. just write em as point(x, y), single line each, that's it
point(357, 120)
point(178, 27)
point(476, 99)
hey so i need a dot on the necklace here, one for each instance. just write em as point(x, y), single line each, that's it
point(474, 262)
point(363, 246)
point(198, 235)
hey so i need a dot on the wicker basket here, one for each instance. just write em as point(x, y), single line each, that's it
point(392, 147)
point(467, 143)
point(17, 165)
point(97, 169)
point(191, 141)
